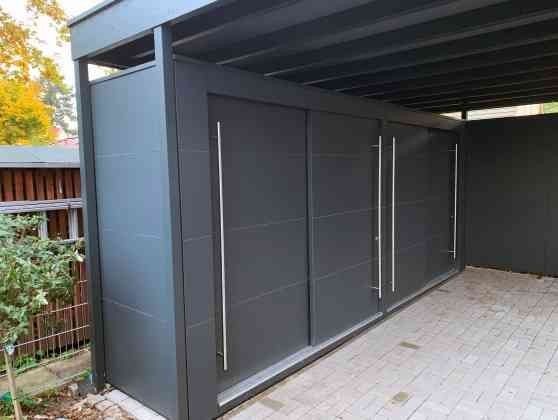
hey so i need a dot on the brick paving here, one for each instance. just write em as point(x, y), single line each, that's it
point(481, 346)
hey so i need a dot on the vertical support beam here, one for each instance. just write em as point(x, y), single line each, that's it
point(464, 115)
point(170, 188)
point(461, 193)
point(91, 229)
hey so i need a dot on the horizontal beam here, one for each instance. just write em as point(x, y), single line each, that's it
point(550, 96)
point(468, 86)
point(245, 20)
point(510, 55)
point(495, 93)
point(448, 29)
point(11, 207)
point(468, 47)
point(359, 31)
point(473, 76)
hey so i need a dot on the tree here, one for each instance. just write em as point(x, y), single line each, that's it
point(24, 118)
point(33, 272)
point(550, 108)
point(23, 63)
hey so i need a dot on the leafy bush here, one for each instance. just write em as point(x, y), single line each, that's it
point(6, 404)
point(33, 272)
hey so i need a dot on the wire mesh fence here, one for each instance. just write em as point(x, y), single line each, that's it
point(60, 331)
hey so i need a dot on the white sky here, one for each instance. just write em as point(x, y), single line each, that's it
point(47, 35)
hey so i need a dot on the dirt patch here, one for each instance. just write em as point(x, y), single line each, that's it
point(64, 403)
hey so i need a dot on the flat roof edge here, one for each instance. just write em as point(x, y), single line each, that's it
point(114, 22)
point(92, 11)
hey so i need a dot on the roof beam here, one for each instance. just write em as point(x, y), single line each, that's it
point(268, 16)
point(340, 29)
point(471, 23)
point(491, 93)
point(550, 96)
point(547, 63)
point(489, 59)
point(486, 43)
point(467, 86)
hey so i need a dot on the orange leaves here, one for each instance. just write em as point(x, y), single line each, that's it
point(24, 119)
point(28, 76)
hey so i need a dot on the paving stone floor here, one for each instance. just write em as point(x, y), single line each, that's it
point(481, 346)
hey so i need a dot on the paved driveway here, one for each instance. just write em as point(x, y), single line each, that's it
point(482, 346)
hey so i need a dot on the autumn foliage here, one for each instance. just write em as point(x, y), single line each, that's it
point(32, 89)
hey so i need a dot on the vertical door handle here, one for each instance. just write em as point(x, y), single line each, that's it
point(222, 233)
point(380, 217)
point(455, 186)
point(393, 216)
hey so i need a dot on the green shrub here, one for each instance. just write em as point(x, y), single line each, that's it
point(33, 273)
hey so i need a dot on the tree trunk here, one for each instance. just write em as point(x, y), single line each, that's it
point(12, 386)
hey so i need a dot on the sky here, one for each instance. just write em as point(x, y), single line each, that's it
point(48, 36)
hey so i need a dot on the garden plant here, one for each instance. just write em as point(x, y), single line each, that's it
point(34, 272)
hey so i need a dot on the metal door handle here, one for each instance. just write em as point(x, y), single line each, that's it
point(222, 233)
point(393, 217)
point(455, 176)
point(379, 217)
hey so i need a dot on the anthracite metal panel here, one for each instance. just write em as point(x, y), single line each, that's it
point(137, 291)
point(344, 187)
point(341, 236)
point(511, 194)
point(263, 178)
point(423, 208)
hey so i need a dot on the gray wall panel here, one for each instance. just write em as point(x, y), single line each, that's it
point(137, 356)
point(342, 241)
point(511, 182)
point(343, 300)
point(343, 208)
point(195, 196)
point(256, 319)
point(135, 261)
point(137, 288)
point(345, 183)
point(198, 276)
point(264, 258)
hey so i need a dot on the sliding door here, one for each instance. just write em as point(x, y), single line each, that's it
point(260, 212)
point(420, 209)
point(343, 221)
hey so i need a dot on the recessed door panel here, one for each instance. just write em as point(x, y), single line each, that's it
point(344, 186)
point(260, 224)
point(420, 207)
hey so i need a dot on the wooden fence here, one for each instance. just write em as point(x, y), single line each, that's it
point(61, 327)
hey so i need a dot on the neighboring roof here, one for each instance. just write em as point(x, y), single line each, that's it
point(433, 55)
point(38, 157)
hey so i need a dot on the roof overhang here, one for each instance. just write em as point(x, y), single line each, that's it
point(433, 55)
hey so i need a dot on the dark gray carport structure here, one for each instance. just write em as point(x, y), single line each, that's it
point(191, 113)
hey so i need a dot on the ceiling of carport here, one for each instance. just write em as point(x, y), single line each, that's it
point(434, 55)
